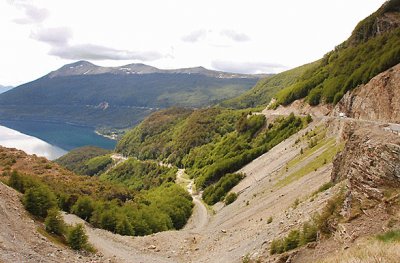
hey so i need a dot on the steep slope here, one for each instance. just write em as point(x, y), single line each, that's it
point(77, 159)
point(377, 100)
point(21, 242)
point(266, 88)
point(372, 48)
point(90, 95)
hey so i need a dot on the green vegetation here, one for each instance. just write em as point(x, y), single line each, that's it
point(77, 238)
point(390, 236)
point(210, 162)
point(323, 223)
point(83, 160)
point(270, 219)
point(54, 222)
point(230, 198)
point(130, 97)
point(163, 207)
point(369, 51)
point(97, 165)
point(216, 192)
point(331, 149)
point(266, 88)
point(38, 199)
point(352, 63)
point(170, 134)
point(209, 143)
point(140, 175)
point(323, 188)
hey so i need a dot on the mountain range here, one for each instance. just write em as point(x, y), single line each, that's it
point(86, 94)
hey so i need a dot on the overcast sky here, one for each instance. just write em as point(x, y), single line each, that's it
point(253, 36)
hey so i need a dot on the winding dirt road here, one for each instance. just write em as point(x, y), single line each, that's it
point(117, 248)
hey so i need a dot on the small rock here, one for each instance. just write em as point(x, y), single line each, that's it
point(223, 230)
point(312, 245)
point(152, 247)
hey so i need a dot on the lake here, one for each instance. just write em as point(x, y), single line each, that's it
point(49, 139)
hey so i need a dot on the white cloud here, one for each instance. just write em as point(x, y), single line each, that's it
point(195, 36)
point(97, 52)
point(32, 13)
point(247, 67)
point(53, 36)
point(235, 36)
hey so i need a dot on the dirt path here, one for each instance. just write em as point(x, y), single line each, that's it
point(115, 247)
point(155, 248)
point(200, 215)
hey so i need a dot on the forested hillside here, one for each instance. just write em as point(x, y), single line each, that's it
point(265, 89)
point(372, 48)
point(88, 160)
point(89, 95)
point(103, 202)
point(210, 143)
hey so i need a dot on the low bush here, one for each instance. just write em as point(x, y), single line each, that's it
point(77, 238)
point(216, 192)
point(230, 198)
point(54, 222)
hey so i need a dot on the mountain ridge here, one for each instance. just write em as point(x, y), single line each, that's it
point(76, 93)
point(83, 67)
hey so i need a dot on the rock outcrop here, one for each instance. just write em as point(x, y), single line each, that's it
point(378, 100)
point(370, 162)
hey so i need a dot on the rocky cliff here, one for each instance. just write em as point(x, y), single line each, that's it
point(370, 162)
point(378, 100)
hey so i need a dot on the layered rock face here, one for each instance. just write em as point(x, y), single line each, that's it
point(370, 162)
point(378, 100)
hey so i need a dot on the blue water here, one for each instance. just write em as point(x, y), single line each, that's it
point(31, 145)
point(64, 136)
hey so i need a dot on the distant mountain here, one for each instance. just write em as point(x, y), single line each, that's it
point(87, 94)
point(86, 68)
point(4, 88)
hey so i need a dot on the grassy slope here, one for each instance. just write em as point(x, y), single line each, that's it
point(266, 88)
point(364, 55)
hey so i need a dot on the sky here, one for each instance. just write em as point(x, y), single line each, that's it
point(253, 36)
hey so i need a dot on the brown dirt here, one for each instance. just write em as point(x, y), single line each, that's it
point(21, 242)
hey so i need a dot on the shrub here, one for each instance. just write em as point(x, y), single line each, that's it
point(309, 233)
point(292, 241)
point(77, 238)
point(214, 193)
point(230, 198)
point(277, 246)
point(108, 220)
point(83, 207)
point(54, 222)
point(124, 227)
point(16, 181)
point(269, 220)
point(325, 221)
point(38, 200)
